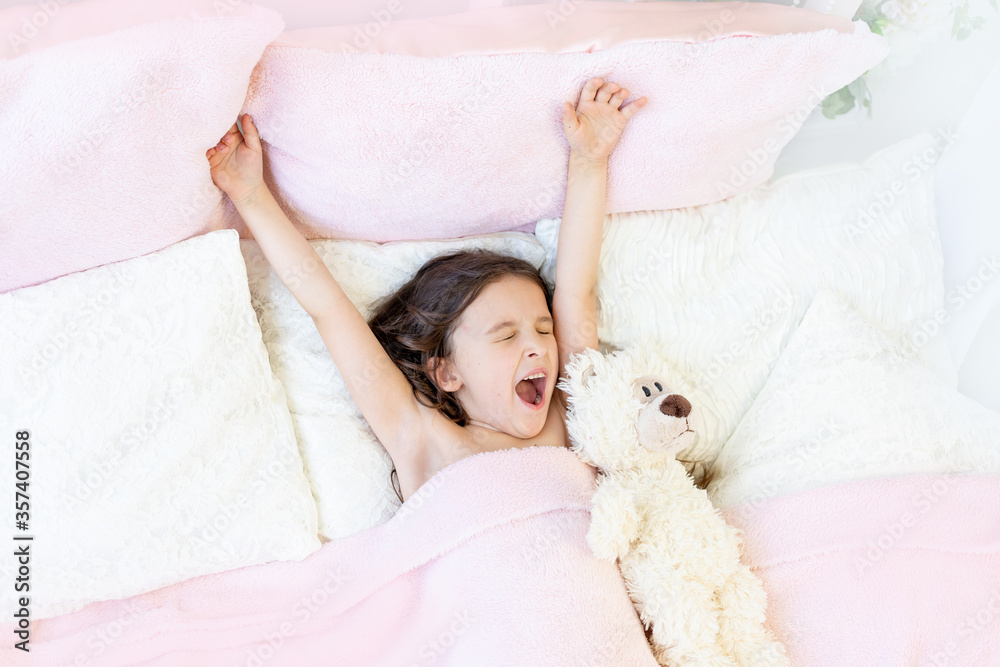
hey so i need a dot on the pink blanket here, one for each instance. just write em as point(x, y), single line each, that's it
point(896, 571)
point(487, 564)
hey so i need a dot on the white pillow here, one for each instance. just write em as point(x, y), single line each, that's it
point(160, 445)
point(720, 287)
point(347, 466)
point(843, 404)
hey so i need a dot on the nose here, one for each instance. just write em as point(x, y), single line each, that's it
point(675, 405)
point(537, 345)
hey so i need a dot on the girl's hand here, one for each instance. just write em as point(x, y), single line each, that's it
point(593, 129)
point(237, 166)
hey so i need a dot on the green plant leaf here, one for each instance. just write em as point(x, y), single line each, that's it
point(996, 8)
point(838, 102)
point(878, 24)
point(859, 88)
point(978, 22)
point(867, 12)
point(963, 33)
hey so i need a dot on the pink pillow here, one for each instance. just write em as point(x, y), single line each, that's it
point(105, 117)
point(35, 27)
point(452, 126)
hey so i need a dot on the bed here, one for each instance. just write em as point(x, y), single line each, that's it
point(197, 485)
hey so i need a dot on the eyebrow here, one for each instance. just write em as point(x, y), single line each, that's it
point(510, 323)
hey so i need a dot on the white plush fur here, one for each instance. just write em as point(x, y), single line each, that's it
point(680, 560)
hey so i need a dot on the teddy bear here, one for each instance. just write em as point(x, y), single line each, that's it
point(630, 416)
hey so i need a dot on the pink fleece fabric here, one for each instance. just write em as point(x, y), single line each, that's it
point(384, 146)
point(486, 564)
point(37, 26)
point(104, 130)
point(888, 572)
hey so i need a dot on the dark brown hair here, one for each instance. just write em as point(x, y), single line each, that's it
point(417, 321)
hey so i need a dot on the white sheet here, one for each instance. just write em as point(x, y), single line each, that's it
point(979, 376)
point(969, 219)
point(842, 404)
point(928, 95)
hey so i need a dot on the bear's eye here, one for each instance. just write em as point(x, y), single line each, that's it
point(645, 389)
point(659, 387)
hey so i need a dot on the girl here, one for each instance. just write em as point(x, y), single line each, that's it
point(473, 333)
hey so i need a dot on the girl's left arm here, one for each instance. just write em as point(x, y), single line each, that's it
point(592, 131)
point(574, 301)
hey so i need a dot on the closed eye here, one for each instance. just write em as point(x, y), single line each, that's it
point(544, 333)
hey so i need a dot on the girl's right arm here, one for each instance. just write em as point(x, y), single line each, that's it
point(376, 384)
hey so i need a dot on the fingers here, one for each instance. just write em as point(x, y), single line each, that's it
point(250, 132)
point(604, 94)
point(589, 88)
point(231, 139)
point(597, 90)
point(227, 142)
point(631, 108)
point(619, 97)
point(228, 138)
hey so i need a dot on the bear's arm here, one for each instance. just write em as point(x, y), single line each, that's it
point(614, 520)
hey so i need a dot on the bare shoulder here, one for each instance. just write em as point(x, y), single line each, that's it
point(439, 438)
point(435, 442)
point(432, 441)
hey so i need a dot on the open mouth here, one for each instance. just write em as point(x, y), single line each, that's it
point(531, 391)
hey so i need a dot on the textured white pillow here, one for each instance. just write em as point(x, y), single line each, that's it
point(347, 466)
point(719, 288)
point(842, 404)
point(160, 445)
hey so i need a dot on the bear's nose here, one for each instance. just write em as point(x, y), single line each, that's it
point(675, 405)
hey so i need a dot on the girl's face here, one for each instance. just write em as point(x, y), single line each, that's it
point(505, 334)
